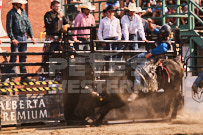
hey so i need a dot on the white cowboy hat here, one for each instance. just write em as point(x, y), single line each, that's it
point(131, 7)
point(87, 5)
point(18, 1)
point(139, 10)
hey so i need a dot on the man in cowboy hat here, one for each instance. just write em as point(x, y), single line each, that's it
point(131, 23)
point(17, 25)
point(55, 23)
point(84, 19)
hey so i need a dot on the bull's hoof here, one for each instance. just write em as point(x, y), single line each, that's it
point(89, 120)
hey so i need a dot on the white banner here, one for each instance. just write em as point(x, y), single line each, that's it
point(2, 31)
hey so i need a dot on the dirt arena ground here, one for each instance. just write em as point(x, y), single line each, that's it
point(182, 125)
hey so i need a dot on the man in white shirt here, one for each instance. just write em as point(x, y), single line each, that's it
point(109, 28)
point(131, 24)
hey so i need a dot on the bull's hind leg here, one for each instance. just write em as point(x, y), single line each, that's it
point(178, 105)
point(170, 106)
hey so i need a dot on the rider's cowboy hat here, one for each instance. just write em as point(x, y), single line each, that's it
point(139, 10)
point(18, 1)
point(87, 5)
point(131, 7)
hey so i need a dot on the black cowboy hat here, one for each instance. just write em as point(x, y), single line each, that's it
point(110, 8)
point(104, 11)
point(159, 1)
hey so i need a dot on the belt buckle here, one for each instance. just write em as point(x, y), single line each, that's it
point(56, 37)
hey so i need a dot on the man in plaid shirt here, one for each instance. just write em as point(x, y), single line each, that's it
point(17, 25)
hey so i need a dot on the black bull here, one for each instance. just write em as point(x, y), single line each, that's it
point(81, 105)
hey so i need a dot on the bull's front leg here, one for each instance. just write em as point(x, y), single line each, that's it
point(103, 112)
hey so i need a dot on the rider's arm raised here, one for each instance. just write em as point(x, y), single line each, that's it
point(150, 26)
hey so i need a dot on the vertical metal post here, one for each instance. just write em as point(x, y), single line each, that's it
point(137, 3)
point(111, 58)
point(178, 47)
point(65, 10)
point(191, 52)
point(177, 12)
point(100, 17)
point(193, 18)
point(163, 12)
point(92, 38)
point(189, 15)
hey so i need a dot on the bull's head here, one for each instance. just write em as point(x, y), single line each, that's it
point(87, 103)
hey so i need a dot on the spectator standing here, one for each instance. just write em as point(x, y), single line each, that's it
point(84, 19)
point(17, 25)
point(131, 24)
point(54, 21)
point(72, 9)
point(109, 28)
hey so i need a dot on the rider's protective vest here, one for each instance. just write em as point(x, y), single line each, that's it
point(158, 42)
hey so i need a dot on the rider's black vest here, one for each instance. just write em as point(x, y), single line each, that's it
point(53, 24)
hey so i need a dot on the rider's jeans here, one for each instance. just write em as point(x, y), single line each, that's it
point(19, 48)
point(137, 63)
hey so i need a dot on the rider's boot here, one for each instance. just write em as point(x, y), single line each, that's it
point(134, 95)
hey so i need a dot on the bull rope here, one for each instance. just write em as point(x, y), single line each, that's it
point(161, 65)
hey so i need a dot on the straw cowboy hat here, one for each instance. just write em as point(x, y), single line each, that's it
point(87, 5)
point(139, 10)
point(131, 7)
point(18, 1)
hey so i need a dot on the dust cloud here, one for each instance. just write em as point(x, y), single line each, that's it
point(189, 117)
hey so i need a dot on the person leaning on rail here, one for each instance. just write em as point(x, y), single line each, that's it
point(162, 45)
point(17, 25)
point(84, 19)
point(131, 24)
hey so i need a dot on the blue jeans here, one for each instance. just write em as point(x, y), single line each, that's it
point(132, 46)
point(113, 46)
point(198, 80)
point(19, 48)
point(137, 63)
